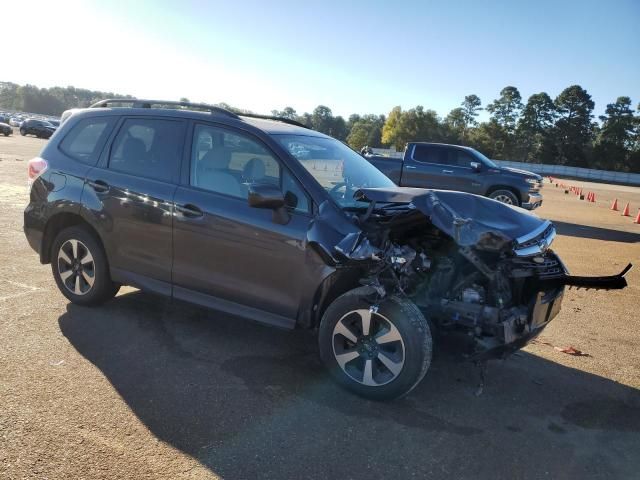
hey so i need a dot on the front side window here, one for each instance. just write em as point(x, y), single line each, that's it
point(148, 148)
point(227, 162)
point(336, 167)
point(461, 158)
point(84, 141)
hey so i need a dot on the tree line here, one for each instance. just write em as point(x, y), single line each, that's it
point(541, 130)
point(559, 131)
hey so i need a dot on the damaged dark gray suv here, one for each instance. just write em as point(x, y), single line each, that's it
point(265, 219)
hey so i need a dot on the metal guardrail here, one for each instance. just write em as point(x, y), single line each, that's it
point(553, 170)
point(575, 172)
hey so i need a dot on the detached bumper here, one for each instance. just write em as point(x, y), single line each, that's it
point(535, 200)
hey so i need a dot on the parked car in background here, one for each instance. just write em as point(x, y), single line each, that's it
point(39, 128)
point(15, 121)
point(6, 129)
point(452, 167)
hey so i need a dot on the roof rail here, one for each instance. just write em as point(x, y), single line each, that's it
point(277, 119)
point(141, 103)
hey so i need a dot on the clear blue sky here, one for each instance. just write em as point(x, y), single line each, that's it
point(360, 56)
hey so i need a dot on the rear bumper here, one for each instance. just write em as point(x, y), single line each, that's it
point(534, 201)
point(33, 229)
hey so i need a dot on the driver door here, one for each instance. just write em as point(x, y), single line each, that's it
point(227, 254)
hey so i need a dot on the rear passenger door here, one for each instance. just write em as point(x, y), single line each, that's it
point(228, 255)
point(130, 194)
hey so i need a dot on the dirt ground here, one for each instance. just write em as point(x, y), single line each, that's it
point(143, 388)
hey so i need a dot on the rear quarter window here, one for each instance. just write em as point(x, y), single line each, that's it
point(86, 138)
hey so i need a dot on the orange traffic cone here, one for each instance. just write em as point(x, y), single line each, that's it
point(625, 212)
point(593, 197)
point(637, 220)
point(614, 205)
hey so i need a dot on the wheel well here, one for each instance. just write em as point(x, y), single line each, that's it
point(506, 187)
point(55, 225)
point(332, 288)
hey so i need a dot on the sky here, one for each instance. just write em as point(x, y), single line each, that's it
point(352, 56)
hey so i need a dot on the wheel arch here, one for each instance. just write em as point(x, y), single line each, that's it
point(334, 285)
point(56, 224)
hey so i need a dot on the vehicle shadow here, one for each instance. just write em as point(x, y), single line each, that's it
point(597, 233)
point(249, 401)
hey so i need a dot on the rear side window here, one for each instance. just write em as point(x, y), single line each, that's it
point(148, 147)
point(85, 140)
point(430, 154)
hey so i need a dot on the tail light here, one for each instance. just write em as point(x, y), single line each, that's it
point(36, 167)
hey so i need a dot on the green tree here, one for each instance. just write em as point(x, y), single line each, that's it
point(455, 124)
point(535, 129)
point(505, 112)
point(416, 124)
point(471, 107)
point(574, 130)
point(617, 137)
point(287, 112)
point(367, 130)
point(358, 135)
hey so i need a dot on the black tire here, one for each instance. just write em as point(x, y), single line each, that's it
point(23, 132)
point(102, 288)
point(6, 134)
point(505, 196)
point(415, 344)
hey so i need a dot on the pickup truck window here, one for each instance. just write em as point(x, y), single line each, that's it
point(460, 158)
point(336, 167)
point(431, 154)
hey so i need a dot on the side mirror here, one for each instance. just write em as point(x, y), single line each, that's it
point(476, 166)
point(264, 195)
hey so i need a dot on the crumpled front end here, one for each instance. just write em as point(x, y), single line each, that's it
point(474, 266)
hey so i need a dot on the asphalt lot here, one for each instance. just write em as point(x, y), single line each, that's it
point(143, 388)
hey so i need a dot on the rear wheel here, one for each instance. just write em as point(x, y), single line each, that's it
point(505, 196)
point(80, 267)
point(379, 352)
point(23, 132)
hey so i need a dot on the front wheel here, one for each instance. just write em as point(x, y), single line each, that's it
point(380, 352)
point(505, 196)
point(23, 132)
point(80, 267)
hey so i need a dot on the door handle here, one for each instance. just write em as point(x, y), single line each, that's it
point(447, 171)
point(410, 167)
point(190, 210)
point(99, 186)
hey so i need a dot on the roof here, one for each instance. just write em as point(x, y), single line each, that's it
point(267, 124)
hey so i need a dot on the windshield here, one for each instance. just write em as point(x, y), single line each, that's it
point(336, 167)
point(484, 159)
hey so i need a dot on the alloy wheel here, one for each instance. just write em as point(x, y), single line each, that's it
point(368, 347)
point(504, 199)
point(76, 267)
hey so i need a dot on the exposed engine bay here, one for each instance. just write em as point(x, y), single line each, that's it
point(472, 265)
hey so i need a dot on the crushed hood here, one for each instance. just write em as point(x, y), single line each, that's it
point(471, 220)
